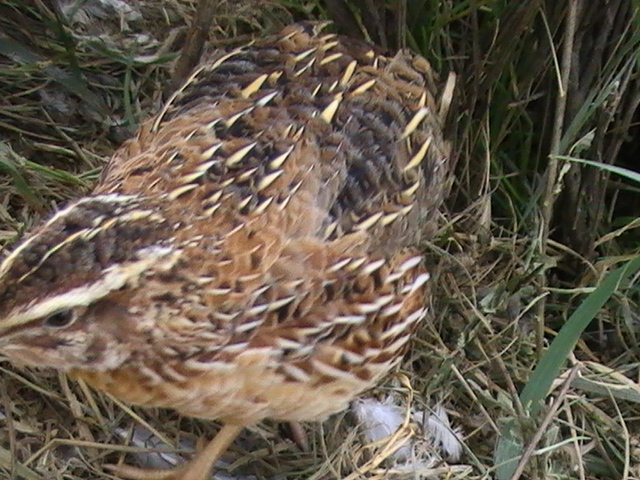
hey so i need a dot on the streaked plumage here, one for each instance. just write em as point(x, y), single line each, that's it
point(250, 253)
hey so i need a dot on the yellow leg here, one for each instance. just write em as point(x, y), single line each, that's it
point(200, 468)
point(298, 435)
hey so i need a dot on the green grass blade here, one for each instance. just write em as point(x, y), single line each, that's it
point(8, 166)
point(509, 448)
point(623, 172)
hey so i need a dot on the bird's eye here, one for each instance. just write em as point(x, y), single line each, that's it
point(60, 319)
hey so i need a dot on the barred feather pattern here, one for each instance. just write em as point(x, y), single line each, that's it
point(251, 252)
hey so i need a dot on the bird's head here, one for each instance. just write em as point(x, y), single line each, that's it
point(64, 289)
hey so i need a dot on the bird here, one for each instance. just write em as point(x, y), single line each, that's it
point(253, 251)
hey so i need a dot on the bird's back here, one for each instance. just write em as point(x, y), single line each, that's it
point(250, 124)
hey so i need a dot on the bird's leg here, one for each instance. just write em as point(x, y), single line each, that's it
point(200, 468)
point(295, 431)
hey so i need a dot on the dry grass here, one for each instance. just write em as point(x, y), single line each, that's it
point(514, 257)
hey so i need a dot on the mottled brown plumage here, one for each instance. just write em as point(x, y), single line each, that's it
point(250, 253)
